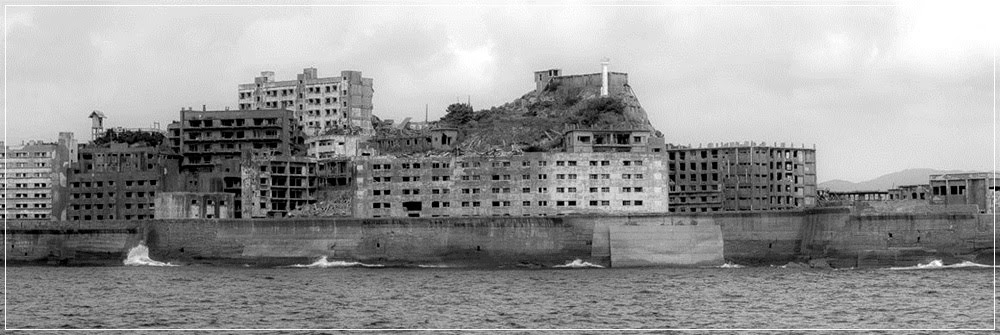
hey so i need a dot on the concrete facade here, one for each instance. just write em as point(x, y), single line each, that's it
point(553, 78)
point(187, 205)
point(205, 138)
point(437, 139)
point(840, 237)
point(741, 177)
point(117, 182)
point(334, 145)
point(530, 184)
point(271, 186)
point(612, 140)
point(318, 103)
point(910, 192)
point(979, 189)
point(31, 175)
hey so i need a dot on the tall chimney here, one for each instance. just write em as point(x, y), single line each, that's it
point(604, 76)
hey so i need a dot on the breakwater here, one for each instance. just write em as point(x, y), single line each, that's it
point(836, 236)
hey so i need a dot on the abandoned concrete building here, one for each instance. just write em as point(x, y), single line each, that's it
point(978, 189)
point(745, 176)
point(217, 148)
point(909, 192)
point(117, 182)
point(185, 205)
point(31, 175)
point(610, 83)
point(318, 103)
point(612, 140)
point(530, 184)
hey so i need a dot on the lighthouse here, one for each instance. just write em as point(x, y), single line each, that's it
point(604, 76)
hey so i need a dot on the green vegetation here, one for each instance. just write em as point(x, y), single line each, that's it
point(130, 137)
point(458, 114)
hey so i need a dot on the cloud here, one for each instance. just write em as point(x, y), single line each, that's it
point(877, 89)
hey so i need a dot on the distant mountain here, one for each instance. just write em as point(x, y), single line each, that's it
point(885, 182)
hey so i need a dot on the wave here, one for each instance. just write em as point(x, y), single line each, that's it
point(938, 264)
point(139, 256)
point(578, 264)
point(729, 265)
point(323, 263)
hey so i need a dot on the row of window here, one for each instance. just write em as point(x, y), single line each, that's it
point(26, 216)
point(77, 207)
point(410, 192)
point(500, 203)
point(23, 175)
point(27, 205)
point(27, 154)
point(695, 188)
point(501, 164)
point(110, 217)
point(24, 165)
point(112, 195)
point(128, 183)
point(497, 177)
point(26, 195)
point(26, 185)
point(704, 154)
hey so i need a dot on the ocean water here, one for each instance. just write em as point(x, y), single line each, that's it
point(336, 295)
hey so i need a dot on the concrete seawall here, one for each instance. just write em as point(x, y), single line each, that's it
point(837, 235)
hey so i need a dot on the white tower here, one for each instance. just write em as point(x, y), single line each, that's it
point(604, 76)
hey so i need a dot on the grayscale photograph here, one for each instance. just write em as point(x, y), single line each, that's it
point(500, 167)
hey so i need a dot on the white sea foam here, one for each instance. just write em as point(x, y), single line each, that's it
point(938, 264)
point(730, 265)
point(324, 263)
point(433, 266)
point(578, 264)
point(139, 256)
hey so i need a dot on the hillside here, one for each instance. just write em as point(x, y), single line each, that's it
point(885, 182)
point(537, 120)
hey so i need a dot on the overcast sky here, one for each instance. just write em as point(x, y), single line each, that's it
point(877, 89)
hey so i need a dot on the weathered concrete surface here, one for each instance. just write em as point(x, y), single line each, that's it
point(634, 246)
point(841, 238)
point(899, 239)
point(453, 241)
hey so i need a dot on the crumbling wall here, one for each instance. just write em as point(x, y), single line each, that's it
point(251, 187)
point(329, 203)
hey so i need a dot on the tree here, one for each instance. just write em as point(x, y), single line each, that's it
point(458, 114)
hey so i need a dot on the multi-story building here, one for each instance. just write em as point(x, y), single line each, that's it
point(31, 174)
point(205, 139)
point(980, 189)
point(272, 186)
point(319, 103)
point(529, 184)
point(250, 154)
point(117, 182)
point(741, 177)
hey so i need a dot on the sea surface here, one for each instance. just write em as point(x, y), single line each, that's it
point(336, 295)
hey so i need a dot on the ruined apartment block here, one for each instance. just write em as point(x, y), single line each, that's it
point(117, 182)
point(741, 177)
point(31, 175)
point(274, 185)
point(318, 103)
point(530, 184)
point(213, 146)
